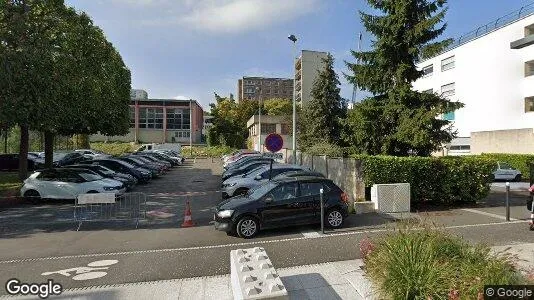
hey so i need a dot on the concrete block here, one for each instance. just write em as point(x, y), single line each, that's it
point(253, 276)
point(364, 207)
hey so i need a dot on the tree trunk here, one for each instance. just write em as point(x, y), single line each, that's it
point(49, 148)
point(84, 141)
point(23, 152)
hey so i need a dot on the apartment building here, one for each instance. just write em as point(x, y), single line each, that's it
point(269, 124)
point(307, 68)
point(262, 88)
point(161, 121)
point(491, 71)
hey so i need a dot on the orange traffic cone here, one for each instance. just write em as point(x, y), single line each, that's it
point(188, 221)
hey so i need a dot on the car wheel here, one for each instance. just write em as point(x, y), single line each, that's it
point(240, 191)
point(517, 177)
point(247, 227)
point(32, 195)
point(334, 218)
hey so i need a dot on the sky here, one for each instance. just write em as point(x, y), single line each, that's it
point(189, 49)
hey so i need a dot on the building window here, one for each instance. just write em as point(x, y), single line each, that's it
point(286, 129)
point(529, 104)
point(529, 68)
point(429, 91)
point(460, 147)
point(249, 90)
point(151, 118)
point(276, 92)
point(268, 128)
point(447, 90)
point(267, 83)
point(249, 82)
point(178, 119)
point(132, 117)
point(449, 116)
point(447, 63)
point(428, 70)
point(529, 30)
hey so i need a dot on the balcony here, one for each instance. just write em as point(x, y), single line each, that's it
point(298, 74)
point(298, 64)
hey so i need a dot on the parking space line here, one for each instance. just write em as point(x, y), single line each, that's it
point(487, 214)
point(246, 244)
point(310, 234)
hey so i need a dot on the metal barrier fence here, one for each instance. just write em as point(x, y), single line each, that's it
point(109, 207)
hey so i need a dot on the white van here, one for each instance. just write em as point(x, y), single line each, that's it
point(166, 146)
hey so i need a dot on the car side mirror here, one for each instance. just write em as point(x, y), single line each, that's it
point(258, 177)
point(268, 199)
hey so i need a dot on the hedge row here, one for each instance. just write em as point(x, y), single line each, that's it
point(115, 148)
point(440, 180)
point(518, 161)
point(208, 151)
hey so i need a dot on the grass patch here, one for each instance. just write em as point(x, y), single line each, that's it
point(9, 183)
point(206, 151)
point(418, 262)
point(115, 148)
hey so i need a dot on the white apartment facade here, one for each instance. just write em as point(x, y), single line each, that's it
point(492, 74)
point(307, 68)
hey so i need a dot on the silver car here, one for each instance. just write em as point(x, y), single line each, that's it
point(240, 184)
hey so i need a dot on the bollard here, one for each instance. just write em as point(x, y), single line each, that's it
point(507, 203)
point(321, 202)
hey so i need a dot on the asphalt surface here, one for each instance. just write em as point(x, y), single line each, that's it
point(37, 239)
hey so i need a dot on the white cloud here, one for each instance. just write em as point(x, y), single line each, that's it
point(181, 97)
point(229, 16)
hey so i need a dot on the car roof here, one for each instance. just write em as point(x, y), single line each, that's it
point(300, 179)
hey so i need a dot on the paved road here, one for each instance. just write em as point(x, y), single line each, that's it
point(161, 250)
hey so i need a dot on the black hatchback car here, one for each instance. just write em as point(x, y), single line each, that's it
point(280, 203)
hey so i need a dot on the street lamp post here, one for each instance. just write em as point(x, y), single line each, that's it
point(293, 38)
point(258, 92)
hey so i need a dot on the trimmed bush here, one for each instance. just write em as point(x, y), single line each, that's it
point(209, 151)
point(518, 161)
point(440, 180)
point(327, 149)
point(424, 263)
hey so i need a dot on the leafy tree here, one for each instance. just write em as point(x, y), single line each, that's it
point(277, 107)
point(398, 120)
point(230, 121)
point(321, 118)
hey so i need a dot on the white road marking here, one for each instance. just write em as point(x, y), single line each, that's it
point(92, 271)
point(245, 244)
point(310, 234)
point(487, 214)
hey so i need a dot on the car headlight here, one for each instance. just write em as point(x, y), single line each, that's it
point(225, 213)
point(110, 188)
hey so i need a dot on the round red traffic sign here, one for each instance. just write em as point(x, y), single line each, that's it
point(274, 142)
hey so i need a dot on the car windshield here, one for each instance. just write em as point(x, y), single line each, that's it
point(89, 175)
point(254, 172)
point(126, 164)
point(105, 170)
point(261, 190)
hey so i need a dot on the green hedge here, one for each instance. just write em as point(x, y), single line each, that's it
point(208, 151)
point(518, 161)
point(440, 180)
point(114, 148)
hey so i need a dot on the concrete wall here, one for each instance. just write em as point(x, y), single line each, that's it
point(489, 79)
point(519, 141)
point(345, 172)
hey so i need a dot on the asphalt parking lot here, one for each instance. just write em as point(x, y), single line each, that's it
point(36, 239)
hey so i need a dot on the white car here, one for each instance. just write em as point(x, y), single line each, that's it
point(67, 183)
point(506, 172)
point(92, 153)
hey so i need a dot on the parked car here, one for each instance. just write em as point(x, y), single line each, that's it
point(117, 165)
point(10, 162)
point(167, 164)
point(243, 160)
point(240, 185)
point(172, 154)
point(161, 164)
point(299, 173)
point(128, 180)
point(166, 146)
point(239, 157)
point(161, 156)
point(67, 183)
point(246, 167)
point(92, 153)
point(504, 171)
point(64, 159)
point(236, 154)
point(281, 203)
point(156, 171)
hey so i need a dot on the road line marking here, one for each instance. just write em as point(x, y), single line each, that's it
point(310, 234)
point(246, 244)
point(487, 214)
